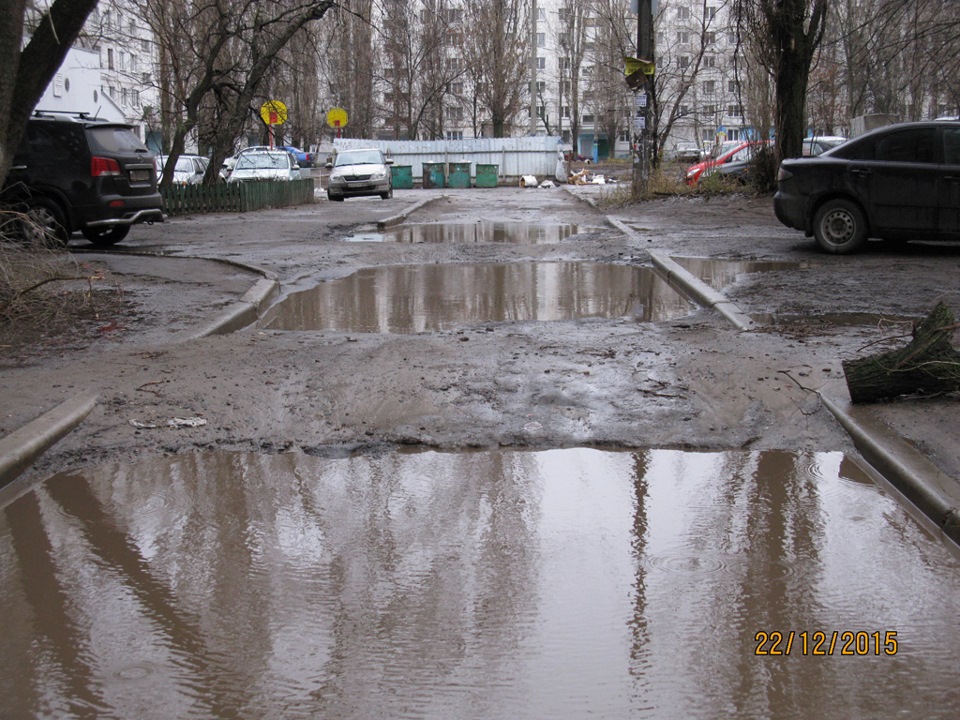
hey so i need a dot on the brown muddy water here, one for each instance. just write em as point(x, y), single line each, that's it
point(502, 584)
point(476, 232)
point(421, 298)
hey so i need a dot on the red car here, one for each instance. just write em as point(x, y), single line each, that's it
point(731, 151)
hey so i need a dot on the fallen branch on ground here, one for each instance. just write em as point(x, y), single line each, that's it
point(928, 365)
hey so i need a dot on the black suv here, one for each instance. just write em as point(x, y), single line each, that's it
point(73, 172)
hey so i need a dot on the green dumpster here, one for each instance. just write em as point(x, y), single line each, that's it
point(402, 176)
point(459, 176)
point(433, 175)
point(487, 175)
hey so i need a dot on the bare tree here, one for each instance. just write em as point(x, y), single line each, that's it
point(216, 57)
point(685, 59)
point(571, 39)
point(788, 33)
point(28, 69)
point(613, 39)
point(497, 48)
point(418, 71)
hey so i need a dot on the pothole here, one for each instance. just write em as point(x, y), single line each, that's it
point(422, 298)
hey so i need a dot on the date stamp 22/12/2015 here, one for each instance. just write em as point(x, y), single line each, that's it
point(837, 642)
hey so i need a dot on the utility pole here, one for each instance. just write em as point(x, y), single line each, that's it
point(642, 82)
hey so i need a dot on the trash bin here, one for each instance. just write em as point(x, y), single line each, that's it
point(459, 176)
point(487, 175)
point(402, 176)
point(433, 175)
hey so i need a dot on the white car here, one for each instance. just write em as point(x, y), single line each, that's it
point(264, 165)
point(356, 173)
point(189, 169)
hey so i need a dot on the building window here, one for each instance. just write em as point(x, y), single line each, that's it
point(709, 109)
point(683, 13)
point(541, 87)
point(734, 110)
point(683, 37)
point(145, 45)
point(711, 13)
point(731, 86)
point(136, 98)
point(565, 111)
point(587, 118)
point(454, 134)
point(541, 39)
point(710, 38)
point(709, 87)
point(456, 88)
point(541, 13)
point(563, 63)
point(709, 61)
point(455, 113)
point(684, 61)
point(541, 63)
point(110, 59)
point(684, 110)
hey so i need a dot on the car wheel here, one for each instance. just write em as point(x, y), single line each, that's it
point(102, 237)
point(387, 195)
point(44, 224)
point(839, 227)
point(335, 198)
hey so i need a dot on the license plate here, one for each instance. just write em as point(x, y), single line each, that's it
point(139, 176)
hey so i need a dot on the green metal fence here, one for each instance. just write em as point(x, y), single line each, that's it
point(236, 197)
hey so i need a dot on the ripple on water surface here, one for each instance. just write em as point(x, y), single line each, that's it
point(503, 584)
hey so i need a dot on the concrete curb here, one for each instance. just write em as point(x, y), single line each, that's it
point(934, 493)
point(239, 315)
point(677, 276)
point(22, 447)
point(402, 216)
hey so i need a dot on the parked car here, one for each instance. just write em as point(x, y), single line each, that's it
point(897, 182)
point(304, 158)
point(189, 169)
point(73, 172)
point(685, 152)
point(264, 165)
point(818, 145)
point(355, 173)
point(730, 152)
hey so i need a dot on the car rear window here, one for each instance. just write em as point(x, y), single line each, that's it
point(114, 139)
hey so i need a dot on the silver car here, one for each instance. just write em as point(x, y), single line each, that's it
point(264, 165)
point(355, 173)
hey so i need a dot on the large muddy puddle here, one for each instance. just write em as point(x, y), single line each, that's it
point(505, 584)
point(719, 274)
point(419, 298)
point(477, 232)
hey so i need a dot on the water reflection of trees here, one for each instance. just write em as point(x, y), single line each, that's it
point(258, 582)
point(419, 298)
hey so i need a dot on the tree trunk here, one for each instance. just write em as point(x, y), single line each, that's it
point(927, 365)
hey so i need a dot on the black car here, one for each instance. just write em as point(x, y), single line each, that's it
point(73, 172)
point(899, 182)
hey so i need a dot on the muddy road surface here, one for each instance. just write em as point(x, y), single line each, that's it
point(393, 337)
